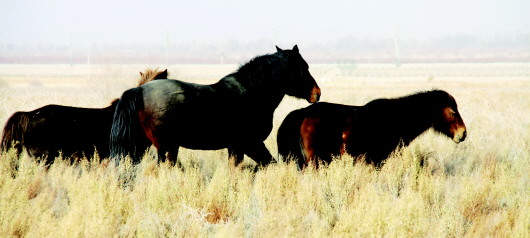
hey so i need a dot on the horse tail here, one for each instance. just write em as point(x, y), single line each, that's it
point(13, 134)
point(289, 139)
point(127, 136)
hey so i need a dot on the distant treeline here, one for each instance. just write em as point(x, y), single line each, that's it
point(454, 48)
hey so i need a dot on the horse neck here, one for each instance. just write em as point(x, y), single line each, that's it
point(259, 87)
point(413, 119)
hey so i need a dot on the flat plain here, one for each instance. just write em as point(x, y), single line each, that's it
point(432, 188)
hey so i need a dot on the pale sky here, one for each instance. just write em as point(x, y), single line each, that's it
point(36, 22)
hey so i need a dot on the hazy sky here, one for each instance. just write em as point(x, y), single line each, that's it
point(148, 22)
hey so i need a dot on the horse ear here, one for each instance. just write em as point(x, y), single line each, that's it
point(295, 48)
point(278, 49)
point(141, 74)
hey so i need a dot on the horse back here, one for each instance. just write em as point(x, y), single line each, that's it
point(71, 121)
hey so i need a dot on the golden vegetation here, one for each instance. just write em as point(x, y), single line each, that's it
point(433, 188)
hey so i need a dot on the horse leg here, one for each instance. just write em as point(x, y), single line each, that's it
point(237, 155)
point(169, 153)
point(259, 153)
point(172, 156)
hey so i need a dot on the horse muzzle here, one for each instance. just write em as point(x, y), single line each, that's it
point(315, 95)
point(460, 136)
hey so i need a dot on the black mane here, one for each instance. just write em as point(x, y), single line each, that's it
point(262, 71)
point(432, 97)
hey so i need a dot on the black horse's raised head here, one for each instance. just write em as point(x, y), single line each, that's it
point(449, 121)
point(300, 83)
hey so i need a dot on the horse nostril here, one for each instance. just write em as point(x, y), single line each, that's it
point(464, 136)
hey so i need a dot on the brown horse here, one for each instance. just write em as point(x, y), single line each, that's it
point(73, 131)
point(324, 130)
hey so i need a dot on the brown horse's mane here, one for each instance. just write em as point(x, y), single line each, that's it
point(151, 74)
point(145, 77)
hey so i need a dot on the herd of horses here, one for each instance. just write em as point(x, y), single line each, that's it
point(235, 113)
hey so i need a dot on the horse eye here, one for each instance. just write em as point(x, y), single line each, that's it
point(452, 113)
point(453, 116)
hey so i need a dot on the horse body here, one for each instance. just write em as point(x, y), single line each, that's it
point(235, 113)
point(73, 131)
point(195, 107)
point(53, 129)
point(324, 130)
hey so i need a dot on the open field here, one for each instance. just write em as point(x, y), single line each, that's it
point(478, 188)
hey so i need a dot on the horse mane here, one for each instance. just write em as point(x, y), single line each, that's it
point(435, 96)
point(429, 93)
point(260, 67)
point(151, 74)
point(145, 77)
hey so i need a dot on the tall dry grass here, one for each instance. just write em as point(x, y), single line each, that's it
point(433, 188)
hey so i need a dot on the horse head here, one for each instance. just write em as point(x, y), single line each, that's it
point(300, 83)
point(449, 121)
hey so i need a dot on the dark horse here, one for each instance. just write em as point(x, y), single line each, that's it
point(324, 130)
point(73, 131)
point(235, 113)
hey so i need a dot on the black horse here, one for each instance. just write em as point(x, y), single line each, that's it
point(235, 113)
point(324, 130)
point(75, 132)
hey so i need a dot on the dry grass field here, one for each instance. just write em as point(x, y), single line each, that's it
point(478, 188)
